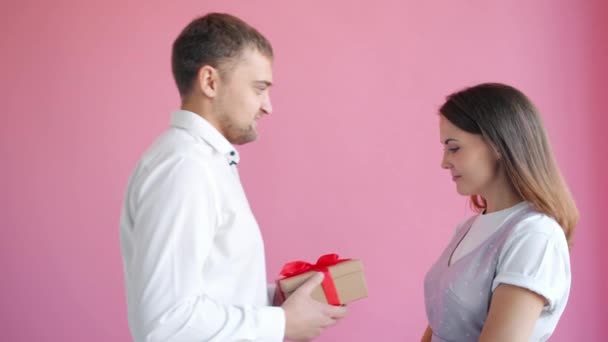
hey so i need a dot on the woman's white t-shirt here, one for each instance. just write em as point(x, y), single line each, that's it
point(535, 257)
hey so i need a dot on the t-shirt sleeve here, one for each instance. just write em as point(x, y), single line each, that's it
point(536, 257)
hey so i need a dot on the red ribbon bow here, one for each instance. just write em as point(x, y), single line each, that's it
point(323, 263)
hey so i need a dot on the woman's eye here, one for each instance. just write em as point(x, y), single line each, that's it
point(453, 149)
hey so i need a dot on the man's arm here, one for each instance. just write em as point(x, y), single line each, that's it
point(174, 227)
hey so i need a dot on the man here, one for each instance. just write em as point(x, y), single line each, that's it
point(192, 250)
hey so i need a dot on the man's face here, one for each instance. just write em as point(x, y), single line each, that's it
point(243, 97)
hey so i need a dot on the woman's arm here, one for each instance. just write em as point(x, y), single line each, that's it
point(513, 314)
point(428, 335)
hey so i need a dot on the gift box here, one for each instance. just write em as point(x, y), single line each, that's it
point(344, 280)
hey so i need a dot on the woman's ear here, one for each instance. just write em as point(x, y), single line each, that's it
point(497, 155)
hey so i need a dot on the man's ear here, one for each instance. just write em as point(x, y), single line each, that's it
point(207, 81)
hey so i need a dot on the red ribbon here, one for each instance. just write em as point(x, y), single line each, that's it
point(323, 263)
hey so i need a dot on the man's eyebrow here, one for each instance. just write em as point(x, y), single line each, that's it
point(266, 83)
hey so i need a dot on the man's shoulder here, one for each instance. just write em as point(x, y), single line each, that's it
point(177, 144)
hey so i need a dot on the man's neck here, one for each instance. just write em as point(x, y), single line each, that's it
point(201, 110)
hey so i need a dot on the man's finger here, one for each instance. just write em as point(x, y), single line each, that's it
point(336, 312)
point(311, 283)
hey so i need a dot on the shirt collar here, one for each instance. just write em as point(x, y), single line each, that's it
point(198, 126)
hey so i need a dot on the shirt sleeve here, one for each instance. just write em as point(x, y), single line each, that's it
point(174, 222)
point(536, 258)
point(272, 290)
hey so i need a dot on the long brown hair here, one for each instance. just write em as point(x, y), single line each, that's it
point(508, 120)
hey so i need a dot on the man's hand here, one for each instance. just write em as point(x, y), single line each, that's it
point(305, 317)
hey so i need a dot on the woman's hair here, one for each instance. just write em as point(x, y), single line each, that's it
point(509, 121)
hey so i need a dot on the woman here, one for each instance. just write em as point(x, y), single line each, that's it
point(505, 276)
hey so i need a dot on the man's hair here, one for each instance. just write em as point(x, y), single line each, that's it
point(215, 39)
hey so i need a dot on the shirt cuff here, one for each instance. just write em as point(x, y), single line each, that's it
point(271, 324)
point(272, 288)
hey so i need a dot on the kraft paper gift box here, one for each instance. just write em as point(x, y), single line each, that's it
point(344, 280)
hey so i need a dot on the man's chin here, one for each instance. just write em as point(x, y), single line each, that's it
point(244, 138)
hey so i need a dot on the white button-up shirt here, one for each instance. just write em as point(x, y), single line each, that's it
point(192, 250)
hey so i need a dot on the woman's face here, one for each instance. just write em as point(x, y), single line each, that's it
point(472, 162)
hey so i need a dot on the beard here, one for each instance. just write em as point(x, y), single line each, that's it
point(238, 134)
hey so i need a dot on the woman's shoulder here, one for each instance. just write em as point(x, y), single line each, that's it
point(538, 229)
point(536, 222)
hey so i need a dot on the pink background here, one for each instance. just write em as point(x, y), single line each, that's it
point(348, 163)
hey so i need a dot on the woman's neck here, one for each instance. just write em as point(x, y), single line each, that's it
point(499, 197)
